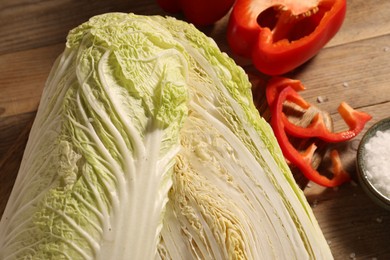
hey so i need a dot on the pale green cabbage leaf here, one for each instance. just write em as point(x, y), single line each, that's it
point(147, 145)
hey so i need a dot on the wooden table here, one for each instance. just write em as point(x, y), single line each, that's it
point(353, 67)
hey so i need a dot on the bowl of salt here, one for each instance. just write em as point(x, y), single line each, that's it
point(373, 163)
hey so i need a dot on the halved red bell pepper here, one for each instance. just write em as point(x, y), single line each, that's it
point(280, 35)
point(302, 160)
point(198, 12)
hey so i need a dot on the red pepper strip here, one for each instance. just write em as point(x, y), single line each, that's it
point(280, 35)
point(355, 120)
point(291, 154)
point(276, 84)
point(308, 154)
point(336, 163)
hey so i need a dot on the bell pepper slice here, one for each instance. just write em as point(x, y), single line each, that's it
point(356, 120)
point(198, 12)
point(337, 166)
point(280, 35)
point(276, 84)
point(293, 156)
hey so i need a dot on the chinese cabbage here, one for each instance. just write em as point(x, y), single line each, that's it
point(147, 145)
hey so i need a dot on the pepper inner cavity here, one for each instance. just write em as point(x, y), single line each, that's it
point(286, 26)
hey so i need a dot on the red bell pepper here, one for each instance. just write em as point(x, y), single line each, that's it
point(293, 156)
point(280, 35)
point(198, 12)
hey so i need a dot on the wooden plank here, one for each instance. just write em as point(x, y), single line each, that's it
point(363, 20)
point(33, 24)
point(357, 73)
point(22, 78)
point(10, 162)
point(352, 224)
point(11, 128)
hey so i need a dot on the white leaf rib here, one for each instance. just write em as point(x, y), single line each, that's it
point(138, 146)
point(88, 205)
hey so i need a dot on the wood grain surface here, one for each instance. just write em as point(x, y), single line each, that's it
point(353, 67)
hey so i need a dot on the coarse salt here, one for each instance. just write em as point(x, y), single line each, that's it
point(377, 161)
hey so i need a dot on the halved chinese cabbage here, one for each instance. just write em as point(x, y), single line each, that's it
point(147, 145)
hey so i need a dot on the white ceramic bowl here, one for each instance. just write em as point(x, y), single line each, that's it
point(364, 181)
